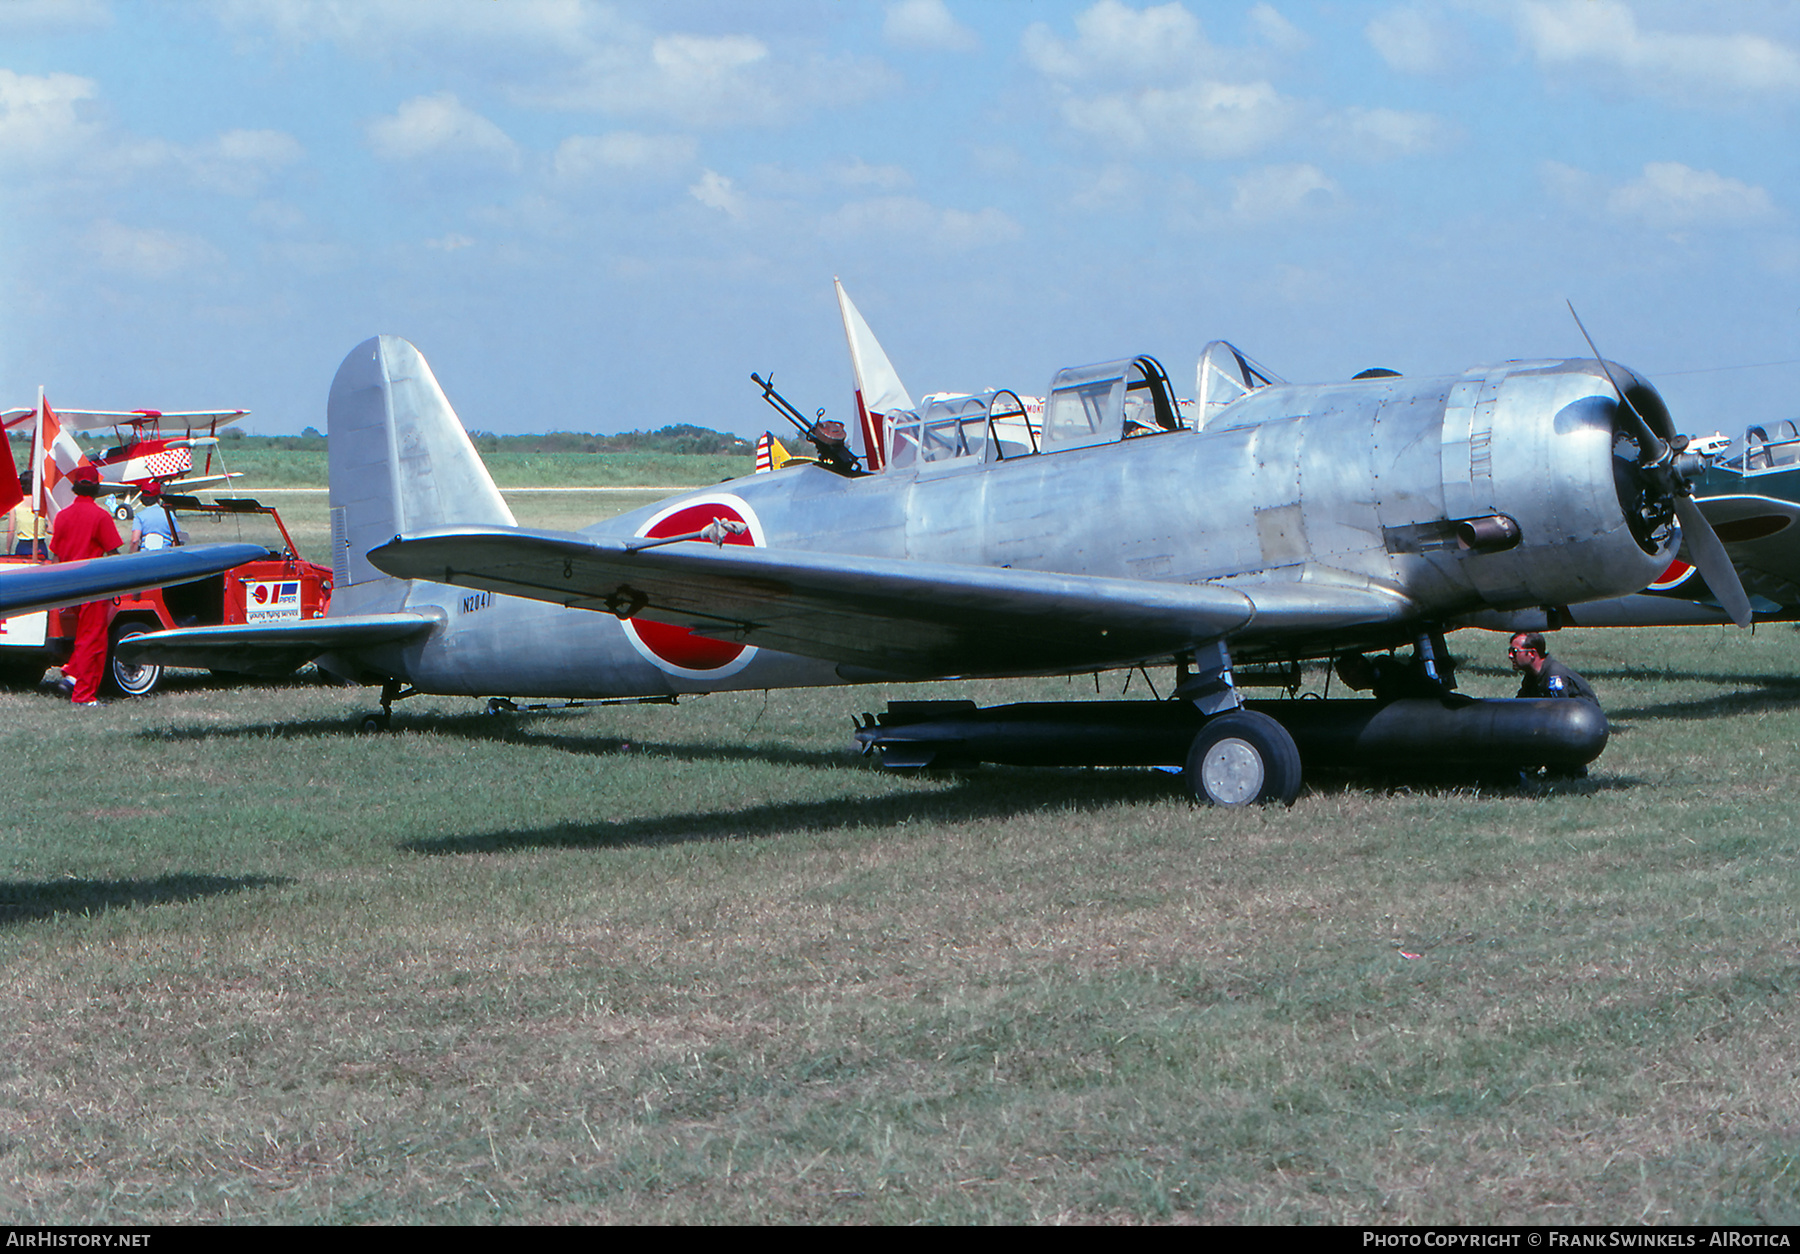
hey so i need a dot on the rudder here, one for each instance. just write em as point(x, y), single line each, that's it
point(399, 461)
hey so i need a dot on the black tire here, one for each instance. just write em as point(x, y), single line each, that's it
point(1243, 758)
point(123, 513)
point(123, 679)
point(373, 724)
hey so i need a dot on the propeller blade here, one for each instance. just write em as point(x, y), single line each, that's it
point(1713, 561)
point(1651, 448)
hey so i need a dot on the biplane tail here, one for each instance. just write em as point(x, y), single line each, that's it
point(400, 461)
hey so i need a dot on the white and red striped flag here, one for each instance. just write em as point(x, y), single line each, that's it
point(54, 454)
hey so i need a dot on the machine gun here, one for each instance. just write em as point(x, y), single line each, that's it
point(827, 438)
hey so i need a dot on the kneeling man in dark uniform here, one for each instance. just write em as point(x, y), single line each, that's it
point(1543, 675)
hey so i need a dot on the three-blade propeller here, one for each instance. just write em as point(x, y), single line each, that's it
point(1656, 458)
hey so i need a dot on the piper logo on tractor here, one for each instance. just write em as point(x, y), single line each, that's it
point(272, 601)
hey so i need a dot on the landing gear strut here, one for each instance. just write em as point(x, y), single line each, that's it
point(391, 691)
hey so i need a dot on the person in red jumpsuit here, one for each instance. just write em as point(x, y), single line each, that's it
point(83, 530)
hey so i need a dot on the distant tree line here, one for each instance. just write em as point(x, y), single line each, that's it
point(682, 438)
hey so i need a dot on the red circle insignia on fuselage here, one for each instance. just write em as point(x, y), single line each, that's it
point(676, 649)
point(1674, 577)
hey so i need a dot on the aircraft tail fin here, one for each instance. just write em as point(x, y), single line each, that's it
point(878, 387)
point(772, 454)
point(399, 461)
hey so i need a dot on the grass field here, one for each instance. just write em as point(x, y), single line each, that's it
point(704, 964)
point(297, 469)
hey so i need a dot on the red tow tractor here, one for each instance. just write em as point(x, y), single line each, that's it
point(281, 588)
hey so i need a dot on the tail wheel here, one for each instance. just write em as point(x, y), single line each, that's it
point(1243, 758)
point(122, 677)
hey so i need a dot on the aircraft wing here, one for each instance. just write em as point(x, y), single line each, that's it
point(888, 615)
point(187, 420)
point(1760, 534)
point(25, 589)
point(270, 648)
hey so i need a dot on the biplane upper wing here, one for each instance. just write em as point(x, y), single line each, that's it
point(888, 615)
point(188, 420)
point(25, 589)
point(272, 648)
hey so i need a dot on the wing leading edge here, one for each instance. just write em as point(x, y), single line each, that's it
point(24, 589)
point(887, 615)
point(271, 648)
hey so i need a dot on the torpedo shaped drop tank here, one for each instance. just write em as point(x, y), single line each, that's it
point(1411, 734)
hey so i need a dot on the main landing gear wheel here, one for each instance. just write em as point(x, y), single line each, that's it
point(1243, 758)
point(373, 723)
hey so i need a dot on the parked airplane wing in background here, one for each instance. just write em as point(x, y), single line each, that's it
point(27, 588)
point(277, 648)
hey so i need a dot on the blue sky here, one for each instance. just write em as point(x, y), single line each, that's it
point(600, 217)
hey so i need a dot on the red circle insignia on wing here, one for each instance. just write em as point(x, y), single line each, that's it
point(676, 648)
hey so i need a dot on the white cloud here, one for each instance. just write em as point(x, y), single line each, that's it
point(1670, 195)
point(1667, 196)
point(1115, 188)
point(42, 118)
point(1283, 191)
point(35, 17)
point(242, 162)
point(147, 253)
point(575, 55)
point(1153, 81)
point(859, 173)
point(918, 221)
point(716, 191)
point(1213, 120)
point(1386, 134)
point(631, 153)
point(1414, 40)
point(54, 126)
point(450, 243)
point(1570, 34)
point(1571, 186)
point(440, 129)
point(927, 26)
point(1115, 42)
point(377, 26)
point(1275, 30)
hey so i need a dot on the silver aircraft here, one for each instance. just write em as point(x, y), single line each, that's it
point(1300, 522)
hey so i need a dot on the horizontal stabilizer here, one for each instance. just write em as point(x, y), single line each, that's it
point(270, 648)
point(27, 588)
point(891, 615)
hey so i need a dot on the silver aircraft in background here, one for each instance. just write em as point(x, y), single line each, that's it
point(1301, 521)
